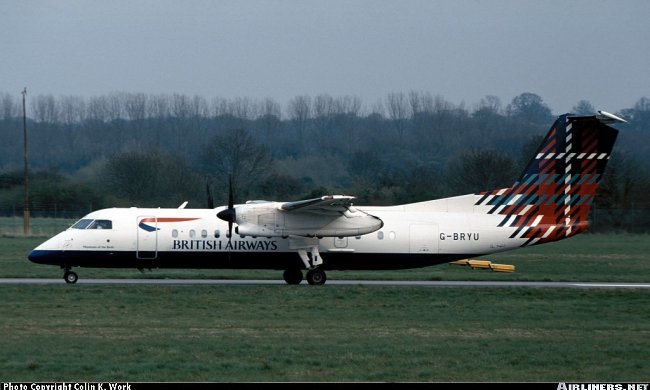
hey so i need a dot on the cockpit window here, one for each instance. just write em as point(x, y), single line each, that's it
point(101, 224)
point(81, 224)
point(93, 224)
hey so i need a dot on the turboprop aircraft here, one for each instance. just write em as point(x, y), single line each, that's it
point(549, 202)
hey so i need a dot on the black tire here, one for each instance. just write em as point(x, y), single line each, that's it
point(316, 277)
point(292, 276)
point(70, 277)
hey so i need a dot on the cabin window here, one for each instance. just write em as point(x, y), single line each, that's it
point(204, 233)
point(192, 233)
point(101, 224)
point(174, 233)
point(81, 224)
point(380, 235)
point(391, 235)
point(217, 234)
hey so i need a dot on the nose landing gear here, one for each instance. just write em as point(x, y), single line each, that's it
point(70, 277)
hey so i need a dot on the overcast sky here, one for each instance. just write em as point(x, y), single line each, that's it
point(462, 50)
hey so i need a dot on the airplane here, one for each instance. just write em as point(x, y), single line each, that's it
point(550, 201)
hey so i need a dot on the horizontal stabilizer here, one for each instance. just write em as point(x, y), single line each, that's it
point(606, 117)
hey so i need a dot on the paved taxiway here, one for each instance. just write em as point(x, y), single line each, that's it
point(413, 283)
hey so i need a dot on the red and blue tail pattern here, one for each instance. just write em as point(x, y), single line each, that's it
point(552, 199)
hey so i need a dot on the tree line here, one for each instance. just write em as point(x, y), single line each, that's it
point(133, 149)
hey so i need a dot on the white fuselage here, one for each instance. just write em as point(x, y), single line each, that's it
point(429, 232)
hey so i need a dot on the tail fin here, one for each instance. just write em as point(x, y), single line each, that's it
point(552, 199)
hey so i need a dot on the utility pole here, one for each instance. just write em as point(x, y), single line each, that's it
point(26, 206)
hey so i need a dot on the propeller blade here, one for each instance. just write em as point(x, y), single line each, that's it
point(209, 193)
point(231, 196)
point(229, 214)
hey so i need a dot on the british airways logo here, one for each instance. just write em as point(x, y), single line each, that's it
point(146, 223)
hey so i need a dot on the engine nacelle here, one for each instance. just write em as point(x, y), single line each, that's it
point(267, 220)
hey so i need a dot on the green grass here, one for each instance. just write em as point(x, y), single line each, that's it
point(336, 333)
point(39, 227)
point(329, 333)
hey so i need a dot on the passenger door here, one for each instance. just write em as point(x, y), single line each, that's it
point(147, 241)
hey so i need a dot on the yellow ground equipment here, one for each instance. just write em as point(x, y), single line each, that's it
point(485, 264)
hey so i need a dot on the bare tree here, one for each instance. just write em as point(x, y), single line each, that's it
point(324, 111)
point(378, 109)
point(236, 155)
point(115, 106)
point(45, 109)
point(481, 170)
point(135, 106)
point(299, 111)
point(490, 104)
point(243, 108)
point(72, 109)
point(180, 108)
point(9, 106)
point(158, 106)
point(149, 179)
point(347, 112)
point(270, 116)
point(414, 101)
point(198, 111)
point(159, 110)
point(219, 107)
point(398, 111)
point(97, 109)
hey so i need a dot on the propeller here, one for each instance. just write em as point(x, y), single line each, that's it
point(229, 215)
point(209, 193)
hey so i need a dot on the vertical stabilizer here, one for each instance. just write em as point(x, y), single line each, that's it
point(552, 199)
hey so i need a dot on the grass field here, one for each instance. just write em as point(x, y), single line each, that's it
point(336, 333)
point(329, 333)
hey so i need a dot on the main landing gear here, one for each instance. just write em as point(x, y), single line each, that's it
point(312, 261)
point(70, 277)
point(315, 276)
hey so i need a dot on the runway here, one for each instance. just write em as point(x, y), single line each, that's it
point(393, 283)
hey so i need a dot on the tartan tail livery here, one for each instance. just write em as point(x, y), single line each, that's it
point(552, 199)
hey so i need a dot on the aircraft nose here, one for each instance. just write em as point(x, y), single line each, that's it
point(35, 256)
point(43, 257)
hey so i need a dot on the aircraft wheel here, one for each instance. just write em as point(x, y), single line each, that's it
point(70, 277)
point(316, 276)
point(292, 276)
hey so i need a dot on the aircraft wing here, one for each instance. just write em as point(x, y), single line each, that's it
point(327, 216)
point(338, 203)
